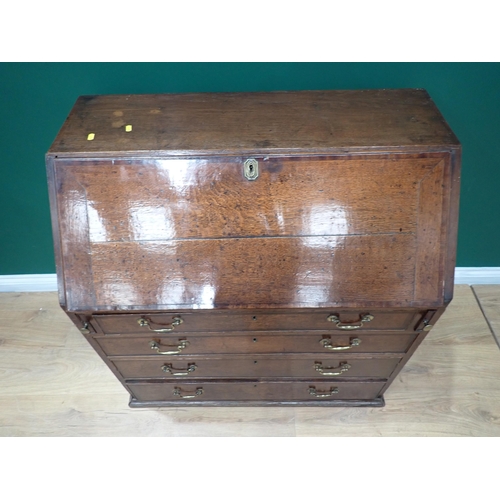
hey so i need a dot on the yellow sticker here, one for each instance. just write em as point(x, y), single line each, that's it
point(90, 137)
point(128, 128)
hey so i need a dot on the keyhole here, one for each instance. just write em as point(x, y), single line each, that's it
point(251, 169)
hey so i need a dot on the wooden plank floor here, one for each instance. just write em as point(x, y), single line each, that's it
point(488, 297)
point(53, 384)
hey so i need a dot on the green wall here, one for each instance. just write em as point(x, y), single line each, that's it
point(35, 99)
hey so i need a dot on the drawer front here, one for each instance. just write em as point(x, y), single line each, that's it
point(176, 345)
point(313, 390)
point(335, 321)
point(306, 366)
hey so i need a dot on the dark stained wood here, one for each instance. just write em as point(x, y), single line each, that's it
point(372, 403)
point(54, 215)
point(254, 391)
point(452, 225)
point(73, 221)
point(254, 123)
point(431, 234)
point(354, 213)
point(158, 200)
point(253, 273)
point(257, 343)
point(243, 366)
point(274, 320)
point(384, 237)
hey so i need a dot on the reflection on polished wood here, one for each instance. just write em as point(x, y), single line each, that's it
point(327, 219)
point(52, 383)
point(358, 231)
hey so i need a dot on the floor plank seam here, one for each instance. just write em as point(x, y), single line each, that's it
point(497, 340)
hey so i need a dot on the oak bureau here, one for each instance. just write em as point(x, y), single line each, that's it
point(281, 248)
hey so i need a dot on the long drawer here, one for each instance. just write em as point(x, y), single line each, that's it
point(175, 345)
point(243, 366)
point(199, 391)
point(203, 321)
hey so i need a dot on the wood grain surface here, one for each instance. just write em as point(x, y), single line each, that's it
point(352, 205)
point(53, 384)
point(267, 122)
point(242, 321)
point(167, 199)
point(326, 366)
point(268, 342)
point(330, 231)
point(489, 301)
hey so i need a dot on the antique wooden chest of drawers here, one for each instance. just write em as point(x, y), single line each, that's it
point(283, 248)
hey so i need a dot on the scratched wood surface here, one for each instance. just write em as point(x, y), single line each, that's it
point(53, 384)
point(265, 122)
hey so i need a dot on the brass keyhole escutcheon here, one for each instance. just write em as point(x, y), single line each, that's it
point(251, 169)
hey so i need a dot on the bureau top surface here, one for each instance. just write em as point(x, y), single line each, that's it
point(259, 123)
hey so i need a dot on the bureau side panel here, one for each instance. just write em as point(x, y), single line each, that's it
point(452, 223)
point(56, 233)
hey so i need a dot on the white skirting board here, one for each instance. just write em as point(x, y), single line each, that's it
point(48, 282)
point(477, 276)
point(28, 283)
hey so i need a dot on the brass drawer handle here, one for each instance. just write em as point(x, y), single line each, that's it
point(327, 344)
point(320, 394)
point(178, 392)
point(191, 367)
point(182, 344)
point(334, 318)
point(342, 368)
point(177, 320)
